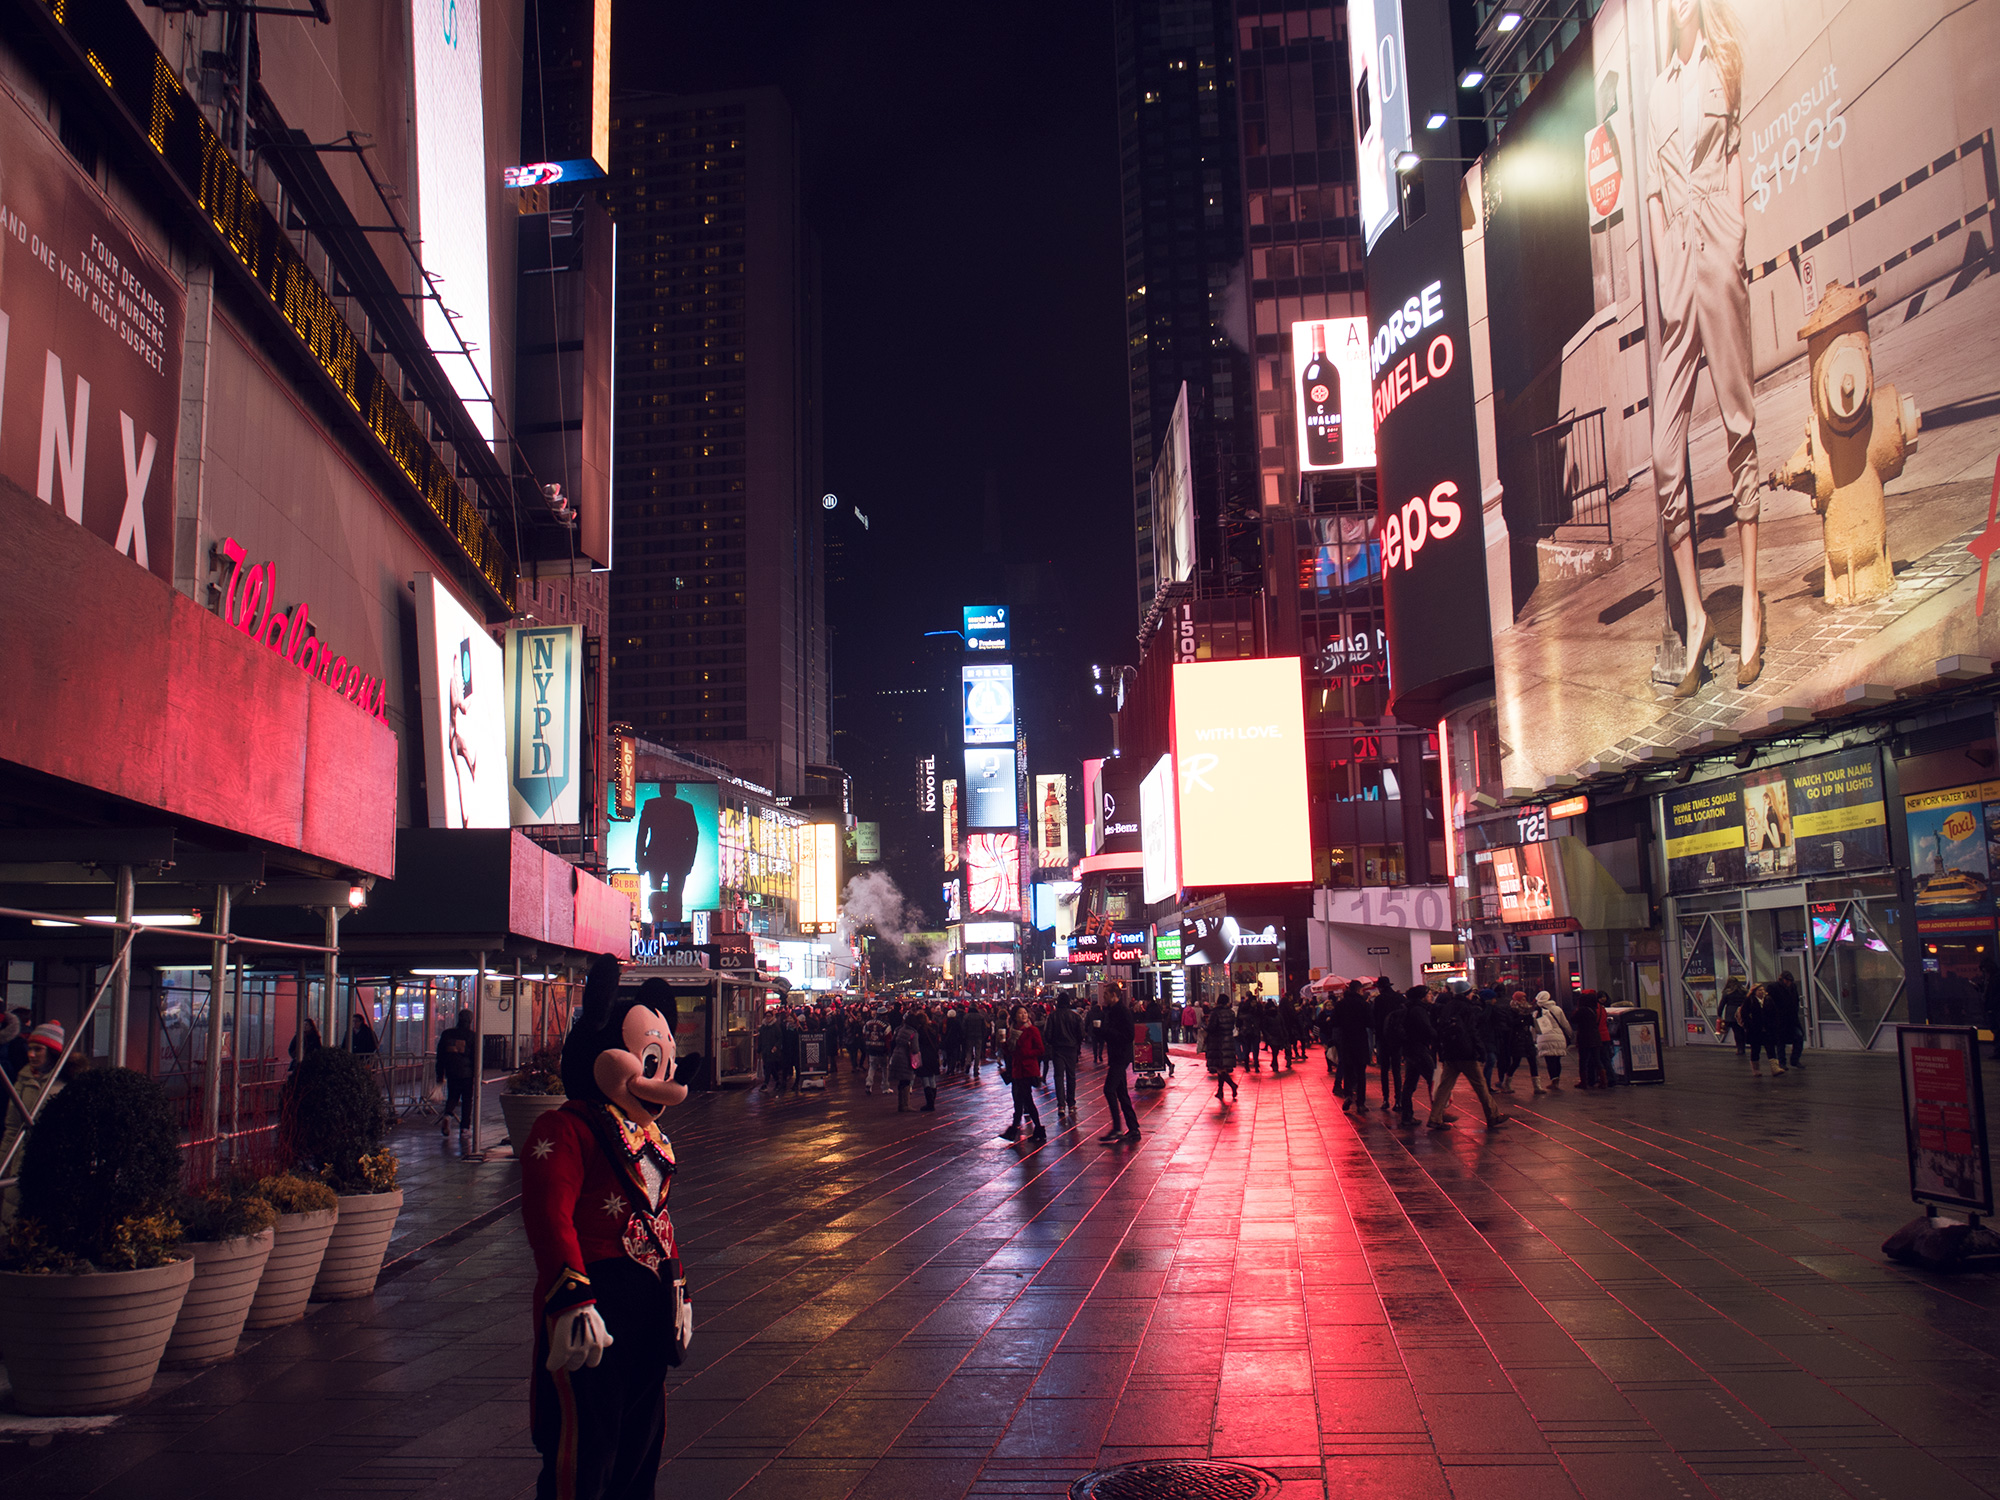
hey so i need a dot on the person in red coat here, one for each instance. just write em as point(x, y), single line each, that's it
point(611, 1314)
point(1024, 1071)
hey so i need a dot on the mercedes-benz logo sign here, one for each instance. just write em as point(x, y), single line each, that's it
point(829, 502)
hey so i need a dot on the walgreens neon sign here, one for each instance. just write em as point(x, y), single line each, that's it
point(248, 603)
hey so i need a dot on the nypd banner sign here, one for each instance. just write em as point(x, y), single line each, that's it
point(544, 705)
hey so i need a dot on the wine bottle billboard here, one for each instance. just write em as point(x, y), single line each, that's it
point(1331, 409)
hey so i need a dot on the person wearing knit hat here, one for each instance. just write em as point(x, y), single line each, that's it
point(35, 1085)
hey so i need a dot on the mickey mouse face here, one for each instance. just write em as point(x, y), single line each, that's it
point(638, 1076)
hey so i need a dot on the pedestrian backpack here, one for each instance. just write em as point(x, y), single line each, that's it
point(1455, 1032)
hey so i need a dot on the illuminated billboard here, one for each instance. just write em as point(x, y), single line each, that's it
point(1528, 882)
point(1114, 806)
point(1806, 541)
point(990, 794)
point(993, 874)
point(463, 690)
point(90, 423)
point(1159, 833)
point(986, 693)
point(1819, 816)
point(452, 182)
point(948, 801)
point(989, 932)
point(544, 670)
point(1051, 809)
point(819, 878)
point(1381, 108)
point(1332, 394)
point(1173, 500)
point(674, 846)
point(986, 627)
point(1239, 746)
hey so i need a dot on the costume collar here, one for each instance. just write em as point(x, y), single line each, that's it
point(635, 1136)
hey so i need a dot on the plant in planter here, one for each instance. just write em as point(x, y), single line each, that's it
point(95, 1276)
point(307, 1212)
point(333, 1120)
point(229, 1228)
point(533, 1089)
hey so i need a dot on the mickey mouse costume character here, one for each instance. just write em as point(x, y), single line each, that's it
point(611, 1315)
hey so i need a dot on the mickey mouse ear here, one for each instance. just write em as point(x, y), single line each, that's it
point(599, 991)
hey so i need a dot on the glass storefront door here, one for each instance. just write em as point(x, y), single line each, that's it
point(1711, 954)
point(1840, 940)
point(1857, 962)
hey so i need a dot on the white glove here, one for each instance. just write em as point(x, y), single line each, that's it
point(578, 1339)
point(686, 1324)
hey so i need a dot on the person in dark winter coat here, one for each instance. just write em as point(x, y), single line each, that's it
point(1065, 1039)
point(1783, 1019)
point(457, 1056)
point(930, 1067)
point(1327, 1029)
point(1753, 1014)
point(1387, 998)
point(1416, 1045)
point(1219, 1045)
point(1249, 1034)
point(976, 1031)
point(1460, 1051)
point(1352, 1016)
point(1118, 1038)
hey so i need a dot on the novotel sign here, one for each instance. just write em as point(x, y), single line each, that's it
point(247, 600)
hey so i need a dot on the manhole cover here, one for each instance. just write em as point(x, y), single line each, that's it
point(1176, 1479)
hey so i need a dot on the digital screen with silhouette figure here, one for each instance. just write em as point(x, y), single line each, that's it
point(671, 843)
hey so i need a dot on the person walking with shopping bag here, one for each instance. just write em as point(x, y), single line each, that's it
point(1553, 1037)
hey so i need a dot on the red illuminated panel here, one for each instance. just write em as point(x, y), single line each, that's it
point(993, 873)
point(1239, 745)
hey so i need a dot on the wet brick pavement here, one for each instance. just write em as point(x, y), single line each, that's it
point(1653, 1294)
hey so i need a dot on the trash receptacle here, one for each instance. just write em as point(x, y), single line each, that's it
point(1636, 1055)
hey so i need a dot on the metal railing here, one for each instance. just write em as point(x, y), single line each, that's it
point(120, 966)
point(1573, 486)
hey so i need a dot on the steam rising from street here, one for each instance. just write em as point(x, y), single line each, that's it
point(874, 900)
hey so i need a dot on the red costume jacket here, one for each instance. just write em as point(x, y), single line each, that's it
point(581, 1204)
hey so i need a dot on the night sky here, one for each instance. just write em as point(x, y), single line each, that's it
point(961, 176)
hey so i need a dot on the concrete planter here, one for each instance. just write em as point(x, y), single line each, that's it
point(76, 1345)
point(520, 1111)
point(226, 1274)
point(360, 1240)
point(288, 1275)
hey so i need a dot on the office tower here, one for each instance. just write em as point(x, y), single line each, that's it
point(1301, 226)
point(717, 604)
point(1181, 169)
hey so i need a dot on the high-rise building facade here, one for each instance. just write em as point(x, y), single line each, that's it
point(717, 605)
point(1181, 172)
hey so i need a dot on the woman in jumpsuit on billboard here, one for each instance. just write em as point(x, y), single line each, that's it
point(1694, 208)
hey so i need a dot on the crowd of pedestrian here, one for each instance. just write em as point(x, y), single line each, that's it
point(1397, 1050)
point(1035, 1041)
